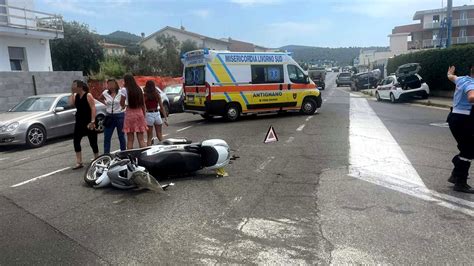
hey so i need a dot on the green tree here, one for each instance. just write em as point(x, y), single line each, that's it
point(187, 46)
point(170, 61)
point(112, 67)
point(79, 50)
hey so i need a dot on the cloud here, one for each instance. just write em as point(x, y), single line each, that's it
point(283, 33)
point(388, 8)
point(201, 13)
point(247, 3)
point(71, 6)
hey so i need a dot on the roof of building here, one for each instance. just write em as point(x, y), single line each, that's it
point(183, 32)
point(419, 14)
point(111, 45)
point(407, 28)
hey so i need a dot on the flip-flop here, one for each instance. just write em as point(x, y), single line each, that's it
point(78, 166)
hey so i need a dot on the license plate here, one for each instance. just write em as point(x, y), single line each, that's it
point(191, 98)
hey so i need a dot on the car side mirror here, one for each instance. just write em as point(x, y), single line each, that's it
point(58, 109)
point(307, 79)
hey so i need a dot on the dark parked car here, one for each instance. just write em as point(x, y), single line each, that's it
point(364, 81)
point(175, 96)
point(318, 75)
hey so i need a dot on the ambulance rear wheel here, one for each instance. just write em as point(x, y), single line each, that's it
point(232, 112)
point(309, 107)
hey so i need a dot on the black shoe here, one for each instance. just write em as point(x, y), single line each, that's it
point(452, 179)
point(463, 188)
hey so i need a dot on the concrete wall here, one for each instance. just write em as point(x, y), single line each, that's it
point(38, 55)
point(399, 43)
point(15, 86)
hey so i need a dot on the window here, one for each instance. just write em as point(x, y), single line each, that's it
point(296, 75)
point(17, 59)
point(435, 34)
point(435, 18)
point(194, 76)
point(462, 32)
point(267, 74)
point(64, 102)
point(3, 11)
point(463, 14)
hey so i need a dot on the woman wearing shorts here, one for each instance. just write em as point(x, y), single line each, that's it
point(153, 105)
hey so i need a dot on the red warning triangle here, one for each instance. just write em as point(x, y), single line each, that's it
point(271, 136)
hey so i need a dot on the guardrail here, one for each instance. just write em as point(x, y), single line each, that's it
point(465, 39)
point(23, 18)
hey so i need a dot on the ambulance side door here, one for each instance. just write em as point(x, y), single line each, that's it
point(296, 77)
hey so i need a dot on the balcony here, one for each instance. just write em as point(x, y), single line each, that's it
point(20, 22)
point(462, 40)
point(455, 23)
point(432, 25)
point(434, 43)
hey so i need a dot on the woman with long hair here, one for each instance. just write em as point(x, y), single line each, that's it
point(153, 106)
point(84, 103)
point(115, 115)
point(134, 122)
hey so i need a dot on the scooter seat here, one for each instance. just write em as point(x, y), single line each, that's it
point(134, 153)
point(209, 156)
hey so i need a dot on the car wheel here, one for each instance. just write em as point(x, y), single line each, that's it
point(377, 96)
point(181, 108)
point(35, 136)
point(167, 108)
point(99, 123)
point(392, 98)
point(232, 113)
point(94, 170)
point(309, 107)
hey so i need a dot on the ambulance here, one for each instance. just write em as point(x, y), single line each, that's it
point(231, 84)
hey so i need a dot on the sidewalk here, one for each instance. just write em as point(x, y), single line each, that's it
point(442, 102)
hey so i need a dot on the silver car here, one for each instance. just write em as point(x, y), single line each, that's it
point(42, 117)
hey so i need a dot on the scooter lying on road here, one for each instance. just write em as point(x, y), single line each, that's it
point(140, 167)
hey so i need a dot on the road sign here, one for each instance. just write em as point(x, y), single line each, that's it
point(271, 136)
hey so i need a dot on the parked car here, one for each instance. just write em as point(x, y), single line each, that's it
point(335, 69)
point(175, 94)
point(318, 75)
point(164, 99)
point(363, 81)
point(344, 79)
point(42, 117)
point(404, 83)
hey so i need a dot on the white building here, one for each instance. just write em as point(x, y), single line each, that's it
point(201, 41)
point(25, 35)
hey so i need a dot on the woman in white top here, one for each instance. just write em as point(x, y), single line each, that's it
point(114, 118)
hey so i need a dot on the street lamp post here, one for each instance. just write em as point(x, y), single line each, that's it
point(449, 23)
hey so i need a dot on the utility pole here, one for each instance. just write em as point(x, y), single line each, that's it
point(449, 22)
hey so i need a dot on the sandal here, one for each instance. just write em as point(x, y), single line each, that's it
point(78, 166)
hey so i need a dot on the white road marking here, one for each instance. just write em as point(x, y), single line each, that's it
point(39, 177)
point(309, 118)
point(439, 124)
point(290, 140)
point(376, 157)
point(264, 164)
point(179, 130)
point(2, 159)
point(166, 135)
point(23, 159)
point(300, 128)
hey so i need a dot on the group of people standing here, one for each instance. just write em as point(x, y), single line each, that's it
point(129, 110)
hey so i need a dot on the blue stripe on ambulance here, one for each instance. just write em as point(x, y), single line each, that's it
point(228, 97)
point(245, 98)
point(213, 74)
point(226, 68)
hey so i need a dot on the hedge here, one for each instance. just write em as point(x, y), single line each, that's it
point(435, 62)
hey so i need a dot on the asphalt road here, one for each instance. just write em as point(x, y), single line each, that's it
point(358, 182)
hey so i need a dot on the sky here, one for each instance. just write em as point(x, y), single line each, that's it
point(269, 23)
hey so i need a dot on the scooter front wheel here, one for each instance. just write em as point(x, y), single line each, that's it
point(96, 168)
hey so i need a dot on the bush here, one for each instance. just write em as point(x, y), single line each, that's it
point(434, 64)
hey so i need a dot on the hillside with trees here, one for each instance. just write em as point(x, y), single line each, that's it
point(341, 56)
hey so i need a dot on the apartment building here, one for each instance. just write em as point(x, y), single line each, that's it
point(430, 31)
point(25, 35)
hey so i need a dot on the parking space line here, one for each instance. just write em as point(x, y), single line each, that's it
point(39, 177)
point(179, 130)
point(3, 159)
point(300, 128)
point(309, 118)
